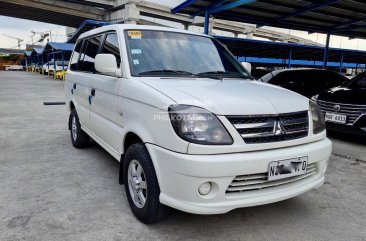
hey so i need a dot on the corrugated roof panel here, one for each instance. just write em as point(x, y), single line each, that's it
point(325, 16)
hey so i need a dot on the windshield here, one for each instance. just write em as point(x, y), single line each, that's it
point(161, 53)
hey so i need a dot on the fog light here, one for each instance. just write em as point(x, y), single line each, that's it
point(205, 188)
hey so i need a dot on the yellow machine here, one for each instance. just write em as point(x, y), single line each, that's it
point(60, 75)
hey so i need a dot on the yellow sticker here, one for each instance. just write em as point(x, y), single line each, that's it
point(134, 34)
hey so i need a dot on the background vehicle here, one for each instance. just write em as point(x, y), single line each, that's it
point(345, 106)
point(14, 67)
point(307, 82)
point(191, 131)
point(50, 67)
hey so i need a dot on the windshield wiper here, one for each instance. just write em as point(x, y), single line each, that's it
point(159, 71)
point(221, 74)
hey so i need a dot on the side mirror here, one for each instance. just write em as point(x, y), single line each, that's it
point(247, 66)
point(107, 64)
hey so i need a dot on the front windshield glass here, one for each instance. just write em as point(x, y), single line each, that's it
point(161, 53)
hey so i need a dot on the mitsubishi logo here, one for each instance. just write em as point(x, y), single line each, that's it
point(278, 128)
point(336, 108)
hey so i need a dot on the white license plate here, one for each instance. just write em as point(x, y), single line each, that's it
point(331, 117)
point(287, 168)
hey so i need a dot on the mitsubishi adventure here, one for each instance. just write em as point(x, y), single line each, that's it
point(190, 127)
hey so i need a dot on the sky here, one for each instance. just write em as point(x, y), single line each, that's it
point(22, 28)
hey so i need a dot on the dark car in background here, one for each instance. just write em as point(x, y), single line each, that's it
point(307, 82)
point(344, 107)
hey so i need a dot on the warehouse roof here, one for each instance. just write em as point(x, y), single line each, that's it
point(267, 49)
point(37, 51)
point(84, 27)
point(340, 17)
point(28, 53)
point(54, 46)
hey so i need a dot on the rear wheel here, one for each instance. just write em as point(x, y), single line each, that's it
point(141, 185)
point(79, 138)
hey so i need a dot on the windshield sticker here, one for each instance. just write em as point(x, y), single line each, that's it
point(135, 34)
point(136, 62)
point(136, 51)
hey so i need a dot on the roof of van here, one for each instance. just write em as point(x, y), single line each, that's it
point(121, 27)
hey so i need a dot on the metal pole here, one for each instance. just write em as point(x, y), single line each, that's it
point(341, 64)
point(326, 51)
point(54, 66)
point(289, 58)
point(207, 22)
point(48, 65)
point(62, 57)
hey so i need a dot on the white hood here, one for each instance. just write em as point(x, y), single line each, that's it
point(231, 97)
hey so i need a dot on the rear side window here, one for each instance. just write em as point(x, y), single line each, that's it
point(87, 60)
point(75, 56)
point(111, 46)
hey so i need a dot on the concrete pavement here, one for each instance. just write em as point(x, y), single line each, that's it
point(52, 191)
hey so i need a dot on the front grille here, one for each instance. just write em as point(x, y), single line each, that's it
point(271, 128)
point(351, 111)
point(259, 181)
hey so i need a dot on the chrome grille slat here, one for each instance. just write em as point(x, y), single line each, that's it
point(334, 103)
point(253, 125)
point(250, 177)
point(342, 111)
point(267, 185)
point(259, 181)
point(262, 128)
point(353, 112)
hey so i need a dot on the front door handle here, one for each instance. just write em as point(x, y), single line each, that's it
point(92, 92)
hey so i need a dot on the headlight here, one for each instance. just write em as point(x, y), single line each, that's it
point(198, 125)
point(318, 118)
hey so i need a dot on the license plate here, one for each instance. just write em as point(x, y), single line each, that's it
point(331, 117)
point(287, 168)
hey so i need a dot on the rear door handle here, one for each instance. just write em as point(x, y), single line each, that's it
point(92, 92)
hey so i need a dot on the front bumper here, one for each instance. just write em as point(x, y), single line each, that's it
point(180, 176)
point(359, 128)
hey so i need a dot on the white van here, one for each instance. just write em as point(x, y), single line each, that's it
point(190, 127)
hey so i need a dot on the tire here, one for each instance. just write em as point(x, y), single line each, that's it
point(152, 210)
point(79, 138)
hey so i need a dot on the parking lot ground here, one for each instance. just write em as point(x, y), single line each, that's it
point(52, 191)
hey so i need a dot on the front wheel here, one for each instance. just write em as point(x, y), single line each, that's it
point(141, 185)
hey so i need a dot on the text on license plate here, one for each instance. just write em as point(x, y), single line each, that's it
point(287, 168)
point(335, 118)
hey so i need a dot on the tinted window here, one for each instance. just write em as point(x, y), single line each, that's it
point(75, 56)
point(287, 78)
point(311, 78)
point(88, 58)
point(111, 47)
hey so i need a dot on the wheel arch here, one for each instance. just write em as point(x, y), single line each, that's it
point(129, 139)
point(71, 108)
